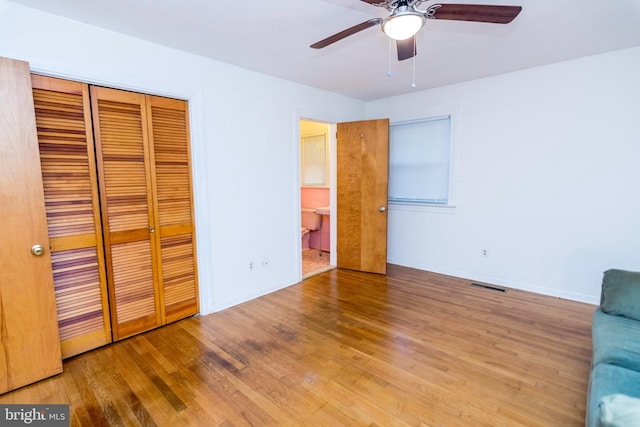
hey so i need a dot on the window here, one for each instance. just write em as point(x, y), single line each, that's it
point(314, 160)
point(420, 161)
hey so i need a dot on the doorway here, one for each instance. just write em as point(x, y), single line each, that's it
point(317, 181)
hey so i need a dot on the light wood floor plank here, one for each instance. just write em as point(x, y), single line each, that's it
point(412, 348)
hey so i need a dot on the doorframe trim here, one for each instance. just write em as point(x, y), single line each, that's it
point(300, 114)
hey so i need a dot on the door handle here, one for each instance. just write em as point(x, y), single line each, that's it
point(382, 209)
point(37, 250)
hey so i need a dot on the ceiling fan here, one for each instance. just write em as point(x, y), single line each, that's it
point(406, 20)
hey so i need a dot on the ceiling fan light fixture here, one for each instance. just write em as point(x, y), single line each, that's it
point(403, 24)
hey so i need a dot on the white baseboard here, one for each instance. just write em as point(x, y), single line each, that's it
point(543, 290)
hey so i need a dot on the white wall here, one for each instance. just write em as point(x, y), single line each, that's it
point(244, 141)
point(547, 177)
point(547, 161)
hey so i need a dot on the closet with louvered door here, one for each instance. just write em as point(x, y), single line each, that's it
point(173, 204)
point(65, 139)
point(116, 172)
point(144, 171)
point(126, 192)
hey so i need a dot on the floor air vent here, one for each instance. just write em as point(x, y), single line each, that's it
point(491, 288)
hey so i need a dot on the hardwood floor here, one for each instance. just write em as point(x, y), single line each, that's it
point(344, 348)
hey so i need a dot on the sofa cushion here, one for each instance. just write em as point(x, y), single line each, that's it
point(621, 293)
point(616, 340)
point(605, 380)
point(619, 410)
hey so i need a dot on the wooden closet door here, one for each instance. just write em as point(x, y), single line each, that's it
point(65, 139)
point(29, 344)
point(171, 170)
point(122, 149)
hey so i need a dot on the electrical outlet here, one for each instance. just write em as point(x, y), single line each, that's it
point(265, 262)
point(251, 265)
point(484, 252)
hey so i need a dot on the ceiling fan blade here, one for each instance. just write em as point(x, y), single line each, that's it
point(346, 33)
point(375, 2)
point(473, 12)
point(406, 48)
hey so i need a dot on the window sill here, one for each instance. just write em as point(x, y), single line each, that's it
point(414, 206)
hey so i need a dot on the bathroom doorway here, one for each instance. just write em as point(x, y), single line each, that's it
point(317, 179)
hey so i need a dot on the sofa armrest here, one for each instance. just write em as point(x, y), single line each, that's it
point(621, 293)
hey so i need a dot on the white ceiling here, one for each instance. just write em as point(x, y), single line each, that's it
point(273, 37)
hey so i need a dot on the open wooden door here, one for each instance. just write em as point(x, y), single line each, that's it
point(29, 343)
point(363, 169)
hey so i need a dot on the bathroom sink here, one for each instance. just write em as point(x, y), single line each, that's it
point(325, 210)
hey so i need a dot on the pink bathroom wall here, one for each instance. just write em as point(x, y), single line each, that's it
point(312, 198)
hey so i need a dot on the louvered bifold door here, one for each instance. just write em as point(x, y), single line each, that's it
point(169, 132)
point(67, 157)
point(124, 169)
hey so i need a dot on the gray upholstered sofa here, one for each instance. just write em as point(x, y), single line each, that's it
point(614, 383)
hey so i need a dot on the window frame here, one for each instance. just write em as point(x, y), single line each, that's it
point(327, 178)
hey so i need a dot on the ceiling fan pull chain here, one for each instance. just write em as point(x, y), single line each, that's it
point(389, 73)
point(413, 84)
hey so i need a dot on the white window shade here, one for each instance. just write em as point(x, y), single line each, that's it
point(419, 161)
